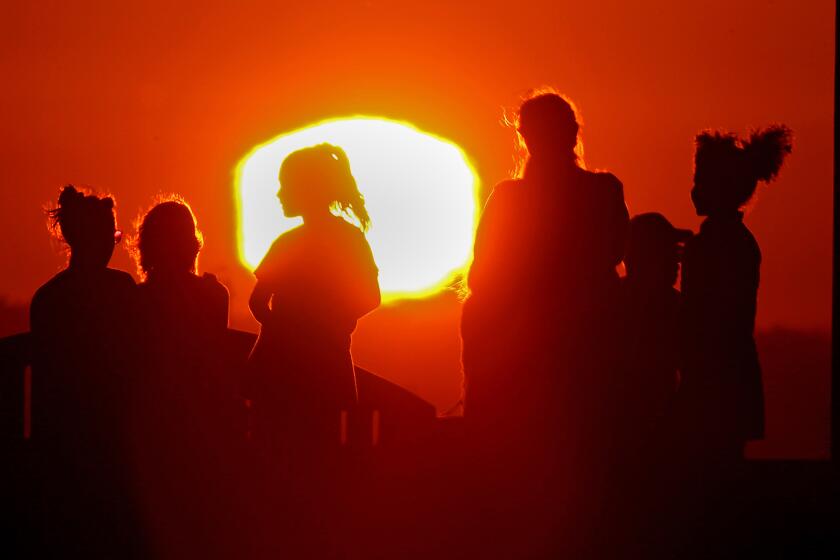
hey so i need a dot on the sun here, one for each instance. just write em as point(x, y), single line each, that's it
point(420, 191)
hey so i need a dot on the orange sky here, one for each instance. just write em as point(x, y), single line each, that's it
point(168, 97)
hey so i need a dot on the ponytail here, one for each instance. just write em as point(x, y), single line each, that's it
point(765, 151)
point(347, 197)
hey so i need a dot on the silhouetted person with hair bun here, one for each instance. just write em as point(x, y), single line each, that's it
point(538, 329)
point(84, 323)
point(722, 391)
point(186, 415)
point(314, 283)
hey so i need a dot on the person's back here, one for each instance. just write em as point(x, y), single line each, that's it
point(80, 321)
point(541, 285)
point(538, 336)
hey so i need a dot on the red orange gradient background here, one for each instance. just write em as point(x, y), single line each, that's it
point(151, 97)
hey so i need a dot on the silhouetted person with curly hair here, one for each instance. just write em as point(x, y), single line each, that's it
point(538, 329)
point(84, 323)
point(186, 417)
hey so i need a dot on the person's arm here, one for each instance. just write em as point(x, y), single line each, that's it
point(220, 302)
point(619, 221)
point(489, 242)
point(259, 302)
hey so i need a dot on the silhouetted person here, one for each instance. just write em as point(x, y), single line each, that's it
point(314, 283)
point(651, 306)
point(641, 483)
point(187, 411)
point(720, 401)
point(83, 326)
point(538, 327)
point(721, 390)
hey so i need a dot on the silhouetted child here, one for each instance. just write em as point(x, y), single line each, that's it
point(84, 323)
point(721, 389)
point(645, 390)
point(314, 283)
point(652, 307)
point(187, 416)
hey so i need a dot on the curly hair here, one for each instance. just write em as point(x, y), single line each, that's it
point(168, 238)
point(737, 165)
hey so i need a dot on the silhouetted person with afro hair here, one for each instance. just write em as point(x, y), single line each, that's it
point(538, 330)
point(84, 323)
point(721, 390)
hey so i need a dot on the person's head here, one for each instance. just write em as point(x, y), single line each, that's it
point(168, 239)
point(727, 169)
point(87, 224)
point(317, 180)
point(652, 255)
point(549, 127)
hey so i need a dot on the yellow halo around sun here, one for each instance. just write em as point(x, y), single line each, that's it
point(420, 191)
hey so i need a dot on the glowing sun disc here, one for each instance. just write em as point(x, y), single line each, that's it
point(420, 191)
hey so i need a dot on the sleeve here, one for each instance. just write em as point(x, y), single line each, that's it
point(618, 220)
point(488, 240)
point(272, 263)
point(365, 285)
point(219, 299)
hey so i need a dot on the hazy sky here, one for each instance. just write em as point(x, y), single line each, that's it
point(168, 96)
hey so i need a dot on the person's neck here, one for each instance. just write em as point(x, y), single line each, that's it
point(318, 218)
point(81, 264)
point(726, 216)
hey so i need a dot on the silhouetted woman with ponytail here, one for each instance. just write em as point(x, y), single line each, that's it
point(314, 283)
point(537, 328)
point(83, 325)
point(721, 390)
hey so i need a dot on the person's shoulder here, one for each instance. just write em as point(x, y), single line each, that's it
point(747, 242)
point(47, 290)
point(119, 277)
point(508, 187)
point(283, 243)
point(504, 193)
point(213, 286)
point(606, 181)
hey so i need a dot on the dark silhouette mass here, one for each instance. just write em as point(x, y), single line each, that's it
point(604, 416)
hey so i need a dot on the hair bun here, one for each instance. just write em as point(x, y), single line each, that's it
point(69, 196)
point(766, 150)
